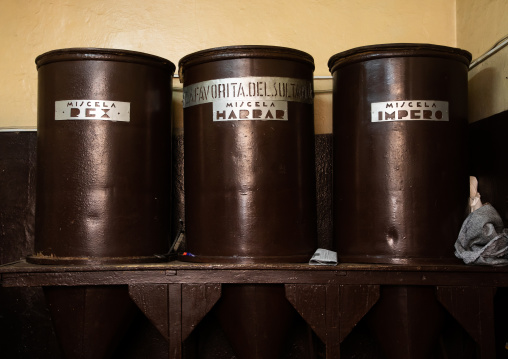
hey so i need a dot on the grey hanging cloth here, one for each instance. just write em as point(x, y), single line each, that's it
point(482, 238)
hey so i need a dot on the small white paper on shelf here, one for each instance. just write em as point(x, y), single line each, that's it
point(324, 257)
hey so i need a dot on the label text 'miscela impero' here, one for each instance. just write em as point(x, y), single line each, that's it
point(412, 110)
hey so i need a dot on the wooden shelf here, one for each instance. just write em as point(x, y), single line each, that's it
point(23, 274)
point(341, 295)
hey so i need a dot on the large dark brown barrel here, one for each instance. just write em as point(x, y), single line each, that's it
point(249, 154)
point(400, 163)
point(104, 156)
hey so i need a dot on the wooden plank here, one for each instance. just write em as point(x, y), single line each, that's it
point(152, 299)
point(175, 309)
point(487, 345)
point(197, 301)
point(355, 301)
point(473, 308)
point(84, 278)
point(333, 320)
point(332, 311)
point(309, 300)
point(374, 277)
point(175, 320)
point(24, 267)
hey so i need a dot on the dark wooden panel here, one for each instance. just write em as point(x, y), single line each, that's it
point(487, 149)
point(324, 189)
point(175, 320)
point(335, 275)
point(355, 301)
point(333, 322)
point(197, 301)
point(473, 308)
point(25, 327)
point(152, 299)
point(309, 301)
point(17, 194)
point(332, 311)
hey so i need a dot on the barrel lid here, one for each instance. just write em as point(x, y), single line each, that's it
point(243, 51)
point(100, 54)
point(372, 52)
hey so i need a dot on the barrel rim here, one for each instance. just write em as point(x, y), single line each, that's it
point(371, 52)
point(243, 51)
point(103, 54)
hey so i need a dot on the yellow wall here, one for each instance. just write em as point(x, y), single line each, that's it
point(480, 24)
point(172, 29)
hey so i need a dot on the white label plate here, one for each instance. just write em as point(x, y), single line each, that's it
point(250, 110)
point(411, 110)
point(249, 89)
point(249, 98)
point(92, 110)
